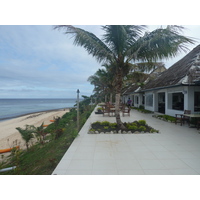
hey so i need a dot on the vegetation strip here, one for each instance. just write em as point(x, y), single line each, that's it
point(139, 126)
point(42, 157)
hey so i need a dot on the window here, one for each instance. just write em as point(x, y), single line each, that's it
point(178, 101)
point(137, 100)
point(197, 101)
point(149, 100)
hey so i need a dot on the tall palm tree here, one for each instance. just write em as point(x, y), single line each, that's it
point(103, 81)
point(122, 44)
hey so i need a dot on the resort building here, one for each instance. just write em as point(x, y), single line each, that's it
point(174, 90)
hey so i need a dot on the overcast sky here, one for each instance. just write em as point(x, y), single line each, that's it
point(39, 62)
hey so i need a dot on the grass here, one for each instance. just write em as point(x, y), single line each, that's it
point(42, 159)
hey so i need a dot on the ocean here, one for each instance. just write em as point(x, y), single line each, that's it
point(11, 108)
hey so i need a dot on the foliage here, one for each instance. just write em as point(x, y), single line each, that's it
point(123, 45)
point(42, 159)
point(142, 122)
point(142, 128)
point(140, 109)
point(167, 118)
point(136, 126)
point(105, 123)
point(40, 133)
point(27, 133)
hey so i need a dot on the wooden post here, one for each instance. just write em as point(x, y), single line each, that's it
point(78, 109)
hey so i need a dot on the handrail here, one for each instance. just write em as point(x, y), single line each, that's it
point(7, 169)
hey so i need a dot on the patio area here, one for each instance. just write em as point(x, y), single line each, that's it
point(175, 150)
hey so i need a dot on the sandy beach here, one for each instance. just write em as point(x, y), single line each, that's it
point(8, 133)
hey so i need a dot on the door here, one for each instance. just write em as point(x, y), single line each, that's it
point(161, 102)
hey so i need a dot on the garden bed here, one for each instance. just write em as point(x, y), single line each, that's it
point(135, 127)
point(166, 118)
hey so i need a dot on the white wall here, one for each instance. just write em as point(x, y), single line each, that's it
point(188, 92)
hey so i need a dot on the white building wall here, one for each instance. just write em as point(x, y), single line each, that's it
point(187, 91)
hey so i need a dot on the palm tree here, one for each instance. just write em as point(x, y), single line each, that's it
point(40, 133)
point(122, 44)
point(27, 133)
point(103, 82)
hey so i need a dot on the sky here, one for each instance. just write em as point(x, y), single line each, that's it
point(37, 61)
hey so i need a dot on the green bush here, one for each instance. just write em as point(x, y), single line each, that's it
point(167, 117)
point(141, 107)
point(142, 122)
point(132, 127)
point(97, 123)
point(153, 130)
point(142, 128)
point(142, 110)
point(105, 123)
point(113, 125)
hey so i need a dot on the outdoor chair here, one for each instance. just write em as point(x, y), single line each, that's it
point(106, 110)
point(126, 111)
point(185, 118)
point(180, 118)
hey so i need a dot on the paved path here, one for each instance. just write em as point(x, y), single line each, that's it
point(175, 150)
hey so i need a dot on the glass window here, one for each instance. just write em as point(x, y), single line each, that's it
point(178, 101)
point(197, 101)
point(137, 100)
point(149, 100)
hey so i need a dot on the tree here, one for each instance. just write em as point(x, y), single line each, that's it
point(27, 133)
point(103, 81)
point(40, 133)
point(122, 44)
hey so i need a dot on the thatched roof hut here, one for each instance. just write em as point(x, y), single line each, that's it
point(184, 72)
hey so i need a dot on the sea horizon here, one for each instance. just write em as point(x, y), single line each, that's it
point(16, 107)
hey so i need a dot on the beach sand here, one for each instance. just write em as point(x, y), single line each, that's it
point(9, 135)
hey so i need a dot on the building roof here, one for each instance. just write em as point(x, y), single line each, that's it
point(184, 72)
point(136, 87)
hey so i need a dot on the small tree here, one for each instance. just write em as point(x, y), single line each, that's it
point(40, 133)
point(27, 133)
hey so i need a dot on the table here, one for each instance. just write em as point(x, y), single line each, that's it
point(196, 116)
point(112, 110)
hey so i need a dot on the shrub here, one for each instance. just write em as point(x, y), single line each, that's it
point(113, 125)
point(142, 128)
point(105, 123)
point(132, 127)
point(142, 122)
point(96, 123)
point(167, 118)
point(141, 107)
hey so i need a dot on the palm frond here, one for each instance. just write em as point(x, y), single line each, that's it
point(164, 43)
point(146, 66)
point(89, 41)
point(120, 37)
point(161, 43)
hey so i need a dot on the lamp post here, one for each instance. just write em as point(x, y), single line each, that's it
point(78, 109)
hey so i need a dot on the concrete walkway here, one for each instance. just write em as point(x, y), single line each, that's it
point(173, 151)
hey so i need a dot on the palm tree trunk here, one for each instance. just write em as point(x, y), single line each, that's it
point(111, 98)
point(119, 81)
